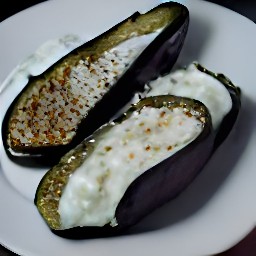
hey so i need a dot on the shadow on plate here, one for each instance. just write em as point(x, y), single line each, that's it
point(199, 33)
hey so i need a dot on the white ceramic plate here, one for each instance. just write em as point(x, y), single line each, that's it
point(216, 211)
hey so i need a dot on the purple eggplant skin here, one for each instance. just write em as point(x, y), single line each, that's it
point(158, 58)
point(164, 181)
point(159, 184)
point(167, 180)
point(230, 119)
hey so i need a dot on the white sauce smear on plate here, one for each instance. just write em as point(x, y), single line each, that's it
point(46, 55)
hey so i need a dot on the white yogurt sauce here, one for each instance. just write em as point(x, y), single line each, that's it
point(122, 154)
point(195, 84)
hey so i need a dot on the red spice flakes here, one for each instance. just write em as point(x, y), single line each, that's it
point(61, 82)
point(52, 87)
point(131, 156)
point(67, 72)
point(34, 105)
point(78, 113)
point(74, 101)
point(188, 114)
point(147, 148)
point(42, 89)
point(62, 133)
point(50, 137)
point(169, 148)
point(72, 110)
point(148, 130)
point(162, 114)
point(61, 114)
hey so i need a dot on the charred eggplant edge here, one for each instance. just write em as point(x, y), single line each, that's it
point(230, 119)
point(113, 100)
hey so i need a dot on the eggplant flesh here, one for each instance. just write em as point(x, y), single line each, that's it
point(28, 144)
point(163, 177)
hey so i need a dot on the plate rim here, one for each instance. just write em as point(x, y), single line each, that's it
point(33, 9)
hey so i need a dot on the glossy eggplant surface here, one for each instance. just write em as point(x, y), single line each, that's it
point(59, 108)
point(127, 168)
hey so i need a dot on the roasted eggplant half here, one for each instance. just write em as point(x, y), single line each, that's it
point(214, 90)
point(59, 108)
point(127, 168)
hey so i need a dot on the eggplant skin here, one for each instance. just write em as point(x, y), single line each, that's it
point(165, 181)
point(230, 119)
point(153, 188)
point(158, 58)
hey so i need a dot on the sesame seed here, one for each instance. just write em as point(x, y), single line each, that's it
point(148, 148)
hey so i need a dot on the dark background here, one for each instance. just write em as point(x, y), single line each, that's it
point(247, 247)
point(244, 7)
